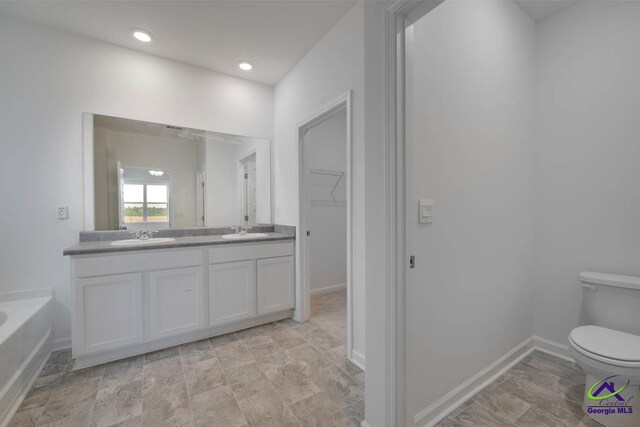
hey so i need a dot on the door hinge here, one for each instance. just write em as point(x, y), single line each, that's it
point(246, 176)
point(246, 217)
point(412, 261)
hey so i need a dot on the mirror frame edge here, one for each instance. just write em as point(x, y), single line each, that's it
point(88, 183)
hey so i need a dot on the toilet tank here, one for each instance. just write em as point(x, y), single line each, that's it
point(612, 301)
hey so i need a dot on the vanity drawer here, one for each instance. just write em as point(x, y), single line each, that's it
point(230, 253)
point(130, 262)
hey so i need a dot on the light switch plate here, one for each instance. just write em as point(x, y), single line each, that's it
point(425, 211)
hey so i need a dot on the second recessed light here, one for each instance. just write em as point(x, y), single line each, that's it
point(245, 65)
point(142, 35)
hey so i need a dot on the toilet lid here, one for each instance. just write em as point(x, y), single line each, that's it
point(607, 343)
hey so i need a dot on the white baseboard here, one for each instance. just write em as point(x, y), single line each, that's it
point(328, 289)
point(61, 344)
point(85, 361)
point(442, 407)
point(357, 359)
point(437, 411)
point(551, 347)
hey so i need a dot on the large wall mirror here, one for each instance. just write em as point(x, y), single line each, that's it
point(152, 176)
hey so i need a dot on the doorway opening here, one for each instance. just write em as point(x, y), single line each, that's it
point(248, 205)
point(324, 249)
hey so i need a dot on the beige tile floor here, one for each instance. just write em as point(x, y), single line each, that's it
point(540, 391)
point(280, 374)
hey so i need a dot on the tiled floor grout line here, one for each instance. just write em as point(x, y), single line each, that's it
point(184, 378)
point(226, 377)
point(55, 388)
point(284, 401)
point(144, 364)
point(306, 342)
point(275, 389)
point(95, 399)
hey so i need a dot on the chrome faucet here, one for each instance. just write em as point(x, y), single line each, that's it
point(144, 234)
point(241, 230)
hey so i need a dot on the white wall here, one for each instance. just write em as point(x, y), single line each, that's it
point(588, 203)
point(328, 218)
point(222, 183)
point(223, 202)
point(47, 80)
point(470, 89)
point(334, 66)
point(264, 176)
point(176, 155)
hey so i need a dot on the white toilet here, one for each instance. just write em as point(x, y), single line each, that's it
point(608, 350)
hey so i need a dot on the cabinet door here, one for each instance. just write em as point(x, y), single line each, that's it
point(232, 292)
point(175, 301)
point(108, 312)
point(275, 284)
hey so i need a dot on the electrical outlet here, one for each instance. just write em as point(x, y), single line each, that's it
point(62, 212)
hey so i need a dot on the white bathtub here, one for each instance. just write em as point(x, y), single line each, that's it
point(25, 344)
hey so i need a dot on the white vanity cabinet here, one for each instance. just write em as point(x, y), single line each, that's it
point(232, 292)
point(128, 303)
point(108, 312)
point(249, 281)
point(276, 286)
point(175, 301)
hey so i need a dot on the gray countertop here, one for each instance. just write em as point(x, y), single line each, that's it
point(100, 247)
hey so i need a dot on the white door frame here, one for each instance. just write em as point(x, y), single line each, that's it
point(303, 287)
point(201, 209)
point(242, 194)
point(398, 16)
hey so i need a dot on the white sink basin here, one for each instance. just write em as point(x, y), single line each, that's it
point(136, 242)
point(244, 236)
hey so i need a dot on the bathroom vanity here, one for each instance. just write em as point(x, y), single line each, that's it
point(192, 279)
point(128, 300)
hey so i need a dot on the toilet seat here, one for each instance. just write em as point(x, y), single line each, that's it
point(607, 346)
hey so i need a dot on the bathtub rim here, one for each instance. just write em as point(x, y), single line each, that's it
point(19, 384)
point(9, 326)
point(43, 347)
point(14, 296)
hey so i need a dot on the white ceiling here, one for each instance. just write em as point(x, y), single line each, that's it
point(542, 9)
point(273, 35)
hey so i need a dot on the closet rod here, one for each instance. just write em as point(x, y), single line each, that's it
point(327, 172)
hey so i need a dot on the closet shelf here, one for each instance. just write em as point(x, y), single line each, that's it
point(340, 175)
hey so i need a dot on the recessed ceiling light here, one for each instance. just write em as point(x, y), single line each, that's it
point(245, 65)
point(142, 35)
